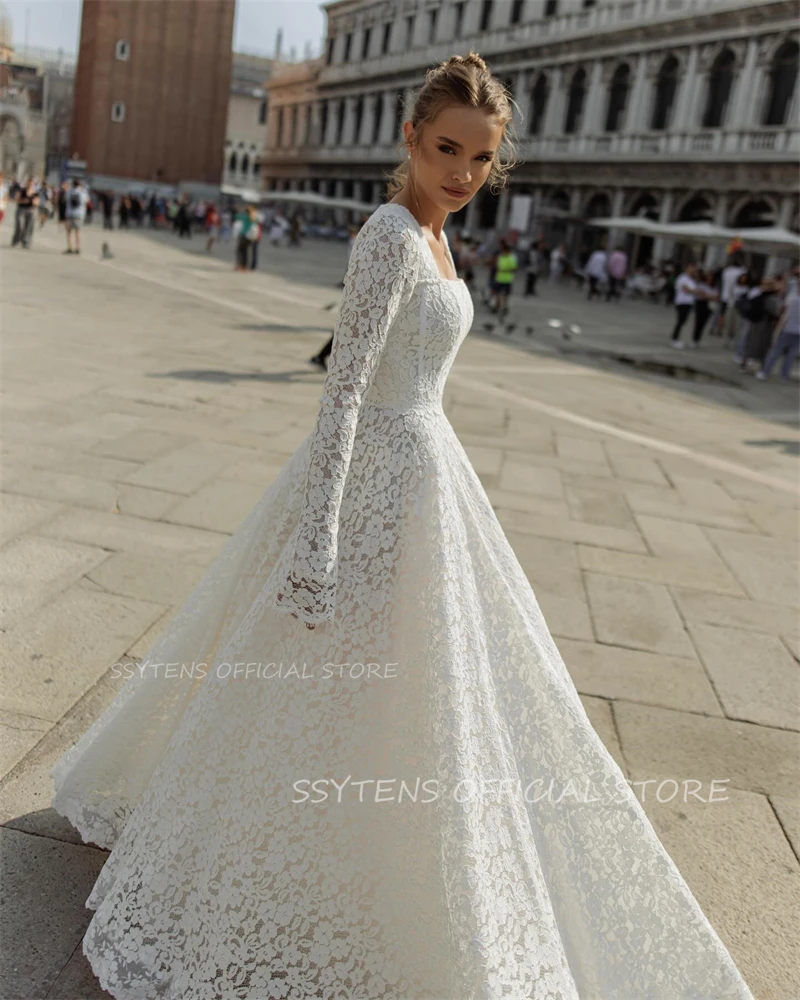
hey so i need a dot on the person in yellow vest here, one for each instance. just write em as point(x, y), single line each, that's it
point(505, 269)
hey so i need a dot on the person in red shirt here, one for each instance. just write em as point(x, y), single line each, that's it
point(212, 226)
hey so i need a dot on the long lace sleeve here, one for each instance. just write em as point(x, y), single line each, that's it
point(380, 277)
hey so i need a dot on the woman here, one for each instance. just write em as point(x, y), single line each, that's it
point(705, 294)
point(243, 243)
point(685, 298)
point(309, 836)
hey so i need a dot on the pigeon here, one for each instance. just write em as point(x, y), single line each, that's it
point(107, 254)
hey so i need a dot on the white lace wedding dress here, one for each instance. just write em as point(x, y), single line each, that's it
point(458, 855)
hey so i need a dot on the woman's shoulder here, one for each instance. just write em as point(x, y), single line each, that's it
point(391, 232)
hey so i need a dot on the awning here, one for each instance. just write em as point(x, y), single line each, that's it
point(769, 238)
point(298, 197)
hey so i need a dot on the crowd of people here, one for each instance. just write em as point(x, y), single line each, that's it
point(756, 316)
point(759, 317)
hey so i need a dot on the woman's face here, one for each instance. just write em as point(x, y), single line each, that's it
point(453, 155)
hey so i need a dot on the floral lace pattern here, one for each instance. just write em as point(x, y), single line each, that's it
point(231, 877)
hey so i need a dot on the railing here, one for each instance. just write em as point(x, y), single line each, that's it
point(766, 144)
point(758, 143)
point(597, 20)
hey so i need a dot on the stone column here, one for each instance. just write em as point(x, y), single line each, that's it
point(741, 108)
point(554, 115)
point(639, 97)
point(715, 253)
point(330, 131)
point(662, 247)
point(522, 97)
point(315, 139)
point(574, 228)
point(596, 98)
point(348, 132)
point(503, 204)
point(387, 121)
point(368, 120)
point(616, 210)
point(536, 212)
point(687, 115)
point(472, 18)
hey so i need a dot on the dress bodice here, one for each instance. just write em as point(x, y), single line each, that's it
point(429, 327)
point(399, 327)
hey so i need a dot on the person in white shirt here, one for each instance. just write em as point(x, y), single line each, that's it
point(685, 296)
point(729, 293)
point(596, 271)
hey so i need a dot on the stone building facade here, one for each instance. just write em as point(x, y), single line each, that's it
point(677, 109)
point(246, 130)
point(151, 91)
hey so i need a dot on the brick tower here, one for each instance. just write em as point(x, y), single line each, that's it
point(152, 88)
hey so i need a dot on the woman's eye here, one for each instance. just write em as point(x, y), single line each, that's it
point(447, 149)
point(486, 158)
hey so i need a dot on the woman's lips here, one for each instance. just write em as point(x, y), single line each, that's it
point(455, 192)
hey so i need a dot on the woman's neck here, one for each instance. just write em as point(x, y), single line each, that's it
point(426, 212)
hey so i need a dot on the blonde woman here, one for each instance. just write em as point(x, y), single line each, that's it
point(348, 801)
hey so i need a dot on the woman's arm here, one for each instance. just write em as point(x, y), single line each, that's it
point(381, 274)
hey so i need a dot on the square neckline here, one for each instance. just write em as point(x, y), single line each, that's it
point(410, 214)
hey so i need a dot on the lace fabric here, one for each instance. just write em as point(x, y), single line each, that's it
point(348, 823)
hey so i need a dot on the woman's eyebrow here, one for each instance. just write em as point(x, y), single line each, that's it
point(453, 142)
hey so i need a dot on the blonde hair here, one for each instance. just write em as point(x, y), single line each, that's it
point(463, 81)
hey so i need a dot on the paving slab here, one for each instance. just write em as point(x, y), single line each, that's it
point(33, 570)
point(767, 567)
point(552, 569)
point(755, 676)
point(50, 660)
point(661, 743)
point(741, 868)
point(617, 673)
point(45, 886)
point(221, 506)
point(635, 614)
point(21, 513)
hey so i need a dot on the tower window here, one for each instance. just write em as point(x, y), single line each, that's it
point(122, 50)
point(118, 111)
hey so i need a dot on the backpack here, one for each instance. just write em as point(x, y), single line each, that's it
point(74, 200)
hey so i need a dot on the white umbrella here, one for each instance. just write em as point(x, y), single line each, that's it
point(770, 237)
point(628, 224)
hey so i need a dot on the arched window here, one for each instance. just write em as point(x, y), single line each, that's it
point(539, 97)
point(279, 136)
point(232, 162)
point(720, 82)
point(245, 164)
point(618, 97)
point(577, 95)
point(697, 209)
point(666, 88)
point(262, 113)
point(782, 80)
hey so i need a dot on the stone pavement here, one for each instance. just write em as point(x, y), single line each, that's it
point(148, 402)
